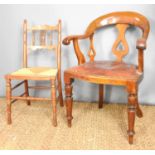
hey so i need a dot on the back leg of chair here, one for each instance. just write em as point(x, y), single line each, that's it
point(8, 98)
point(139, 112)
point(54, 104)
point(60, 91)
point(27, 91)
point(101, 94)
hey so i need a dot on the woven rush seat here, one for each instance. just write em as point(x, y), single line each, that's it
point(36, 71)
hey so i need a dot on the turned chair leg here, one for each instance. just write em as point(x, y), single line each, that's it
point(101, 94)
point(54, 104)
point(8, 98)
point(132, 101)
point(69, 100)
point(27, 91)
point(60, 91)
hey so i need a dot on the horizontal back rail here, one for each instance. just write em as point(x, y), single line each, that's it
point(47, 47)
point(42, 28)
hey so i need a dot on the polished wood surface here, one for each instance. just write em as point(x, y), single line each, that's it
point(110, 72)
point(37, 73)
point(121, 38)
point(107, 72)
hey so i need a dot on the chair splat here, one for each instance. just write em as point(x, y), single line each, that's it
point(120, 53)
point(91, 52)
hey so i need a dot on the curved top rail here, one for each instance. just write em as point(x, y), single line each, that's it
point(132, 18)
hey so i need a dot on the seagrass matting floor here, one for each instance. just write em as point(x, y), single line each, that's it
point(92, 128)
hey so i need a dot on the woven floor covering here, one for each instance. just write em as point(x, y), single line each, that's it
point(92, 128)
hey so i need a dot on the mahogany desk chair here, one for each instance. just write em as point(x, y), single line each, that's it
point(110, 72)
point(37, 73)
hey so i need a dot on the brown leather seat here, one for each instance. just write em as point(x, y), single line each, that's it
point(105, 70)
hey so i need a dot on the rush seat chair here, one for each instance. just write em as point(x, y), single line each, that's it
point(43, 43)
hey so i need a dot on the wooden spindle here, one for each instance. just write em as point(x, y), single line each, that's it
point(42, 38)
point(140, 60)
point(50, 38)
point(33, 38)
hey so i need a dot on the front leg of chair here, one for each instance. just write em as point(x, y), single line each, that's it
point(131, 116)
point(101, 94)
point(69, 99)
point(8, 98)
point(27, 91)
point(53, 98)
point(132, 101)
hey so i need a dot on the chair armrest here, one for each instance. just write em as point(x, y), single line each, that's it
point(67, 40)
point(141, 44)
point(78, 52)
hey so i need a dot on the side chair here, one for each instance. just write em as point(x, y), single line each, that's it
point(51, 74)
point(111, 72)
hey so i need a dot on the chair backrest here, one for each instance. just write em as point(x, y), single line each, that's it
point(122, 21)
point(45, 41)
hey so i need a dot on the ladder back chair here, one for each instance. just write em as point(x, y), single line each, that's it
point(110, 72)
point(43, 42)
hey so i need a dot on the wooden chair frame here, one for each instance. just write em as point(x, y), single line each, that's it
point(25, 96)
point(122, 20)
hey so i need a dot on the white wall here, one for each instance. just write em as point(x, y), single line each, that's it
point(75, 19)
